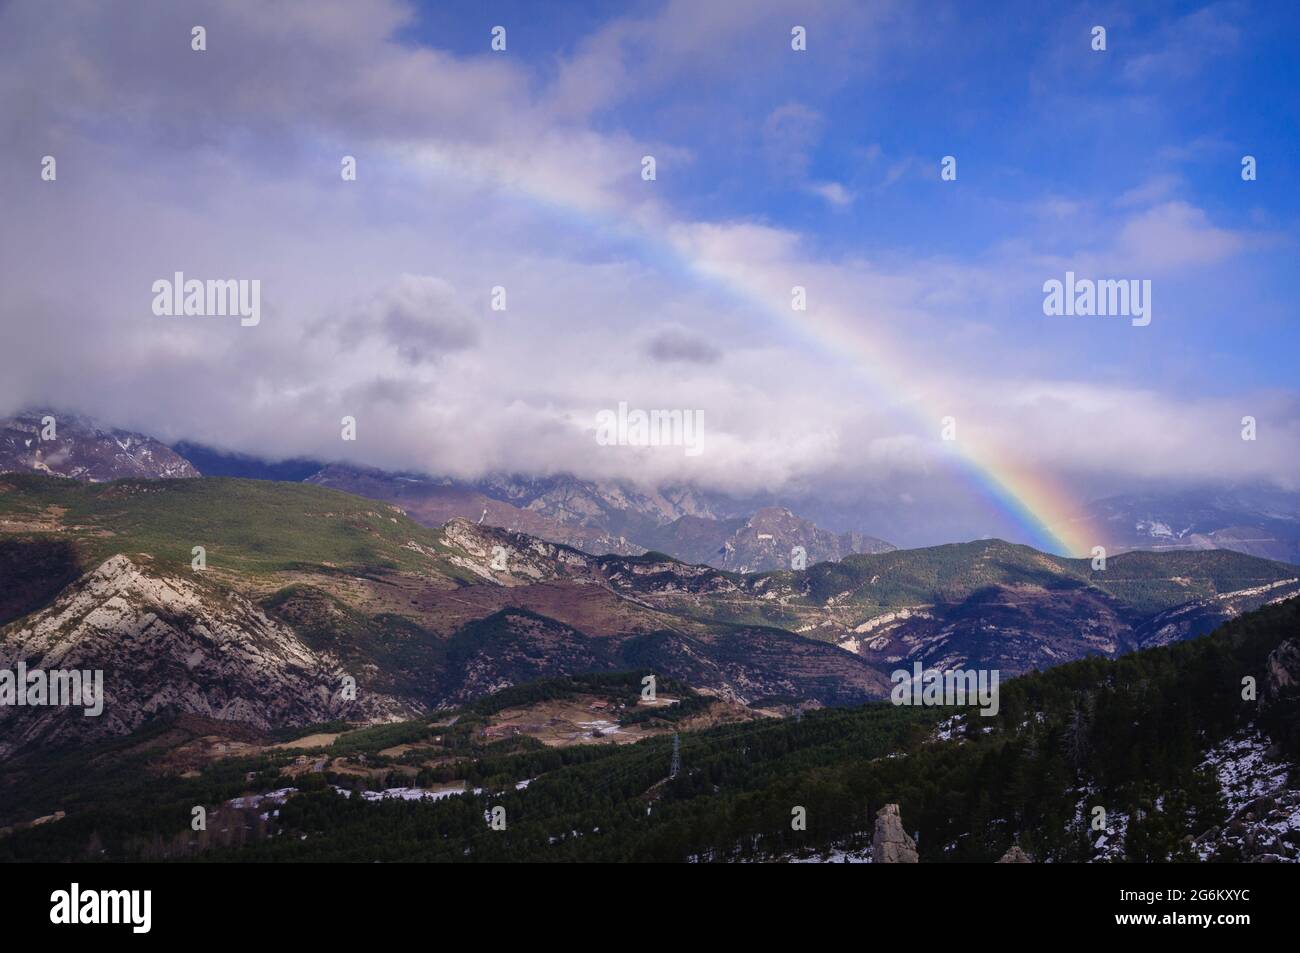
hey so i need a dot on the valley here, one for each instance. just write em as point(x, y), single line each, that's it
point(1181, 766)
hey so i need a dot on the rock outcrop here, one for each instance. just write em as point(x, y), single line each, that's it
point(1265, 831)
point(1282, 670)
point(165, 643)
point(890, 843)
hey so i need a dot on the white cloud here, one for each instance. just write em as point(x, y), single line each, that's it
point(833, 192)
point(475, 173)
point(1176, 235)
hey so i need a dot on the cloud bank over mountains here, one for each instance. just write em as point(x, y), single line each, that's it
point(522, 171)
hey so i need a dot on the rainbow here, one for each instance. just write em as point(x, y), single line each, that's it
point(1046, 513)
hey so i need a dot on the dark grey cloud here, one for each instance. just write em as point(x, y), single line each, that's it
point(420, 318)
point(676, 345)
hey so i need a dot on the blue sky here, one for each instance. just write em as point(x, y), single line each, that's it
point(1033, 114)
point(520, 169)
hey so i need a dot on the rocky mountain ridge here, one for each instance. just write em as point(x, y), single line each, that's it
point(604, 519)
point(70, 445)
point(169, 644)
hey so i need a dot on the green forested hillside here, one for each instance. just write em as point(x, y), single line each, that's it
point(1145, 582)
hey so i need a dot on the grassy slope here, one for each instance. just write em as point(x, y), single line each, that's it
point(247, 526)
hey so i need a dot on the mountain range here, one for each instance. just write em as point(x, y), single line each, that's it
point(1258, 521)
point(301, 584)
point(602, 519)
point(75, 446)
point(596, 517)
point(707, 527)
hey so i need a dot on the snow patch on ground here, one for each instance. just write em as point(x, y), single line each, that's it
point(257, 800)
point(1264, 812)
point(835, 855)
point(1244, 769)
point(600, 728)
